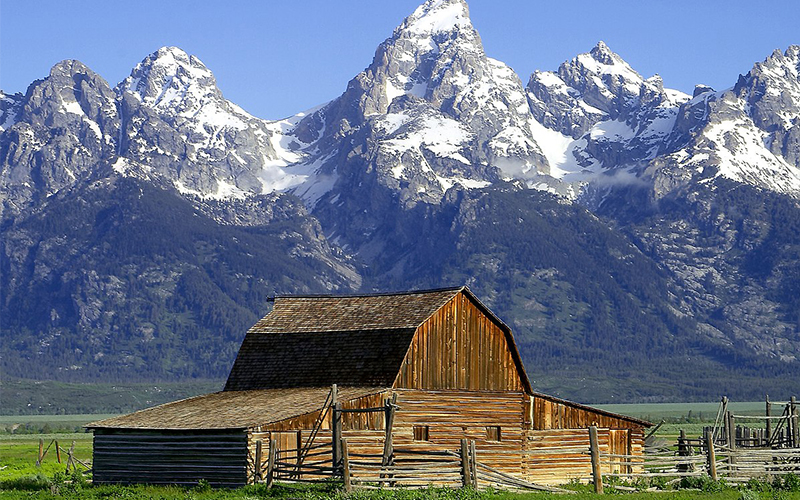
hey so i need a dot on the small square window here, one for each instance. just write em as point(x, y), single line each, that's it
point(421, 433)
point(493, 433)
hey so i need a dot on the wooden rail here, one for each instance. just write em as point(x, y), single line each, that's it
point(735, 465)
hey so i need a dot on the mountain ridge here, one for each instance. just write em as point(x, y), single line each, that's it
point(593, 208)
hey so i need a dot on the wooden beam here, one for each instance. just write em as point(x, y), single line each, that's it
point(768, 411)
point(473, 464)
point(336, 442)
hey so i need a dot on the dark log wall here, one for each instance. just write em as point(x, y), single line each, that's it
point(170, 457)
point(459, 347)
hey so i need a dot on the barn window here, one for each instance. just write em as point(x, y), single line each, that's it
point(421, 433)
point(493, 433)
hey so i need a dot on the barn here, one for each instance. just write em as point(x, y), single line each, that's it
point(420, 370)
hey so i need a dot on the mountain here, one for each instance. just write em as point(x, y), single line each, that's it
point(642, 243)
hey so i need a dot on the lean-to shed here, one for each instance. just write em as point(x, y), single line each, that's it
point(451, 366)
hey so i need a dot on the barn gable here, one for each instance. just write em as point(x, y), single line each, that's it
point(463, 346)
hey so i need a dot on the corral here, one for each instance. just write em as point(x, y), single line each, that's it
point(413, 372)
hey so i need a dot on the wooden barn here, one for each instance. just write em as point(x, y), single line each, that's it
point(420, 370)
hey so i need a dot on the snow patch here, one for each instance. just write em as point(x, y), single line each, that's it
point(435, 16)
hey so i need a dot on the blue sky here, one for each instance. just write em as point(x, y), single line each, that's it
point(275, 58)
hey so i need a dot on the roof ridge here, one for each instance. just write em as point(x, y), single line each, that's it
point(374, 294)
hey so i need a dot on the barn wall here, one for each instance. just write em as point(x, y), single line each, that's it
point(556, 456)
point(549, 414)
point(170, 457)
point(459, 347)
point(453, 415)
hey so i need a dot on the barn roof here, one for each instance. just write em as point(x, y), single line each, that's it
point(341, 313)
point(232, 409)
point(350, 340)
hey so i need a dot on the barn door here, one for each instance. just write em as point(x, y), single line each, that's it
point(287, 449)
point(619, 444)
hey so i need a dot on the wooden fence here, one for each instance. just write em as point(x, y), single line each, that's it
point(420, 468)
point(692, 458)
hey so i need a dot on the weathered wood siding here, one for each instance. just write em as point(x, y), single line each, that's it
point(459, 347)
point(170, 457)
point(556, 456)
point(453, 415)
point(551, 414)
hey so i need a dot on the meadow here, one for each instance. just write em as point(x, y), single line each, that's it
point(21, 478)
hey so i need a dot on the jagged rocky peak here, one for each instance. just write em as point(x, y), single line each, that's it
point(592, 87)
point(167, 77)
point(433, 75)
point(56, 135)
point(72, 92)
point(747, 133)
point(436, 16)
point(772, 89)
point(206, 146)
point(10, 106)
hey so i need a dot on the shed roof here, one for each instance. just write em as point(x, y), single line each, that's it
point(232, 409)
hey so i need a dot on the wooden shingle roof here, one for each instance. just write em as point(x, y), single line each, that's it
point(349, 340)
point(341, 313)
point(232, 409)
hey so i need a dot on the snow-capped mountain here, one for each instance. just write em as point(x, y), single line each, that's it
point(174, 116)
point(600, 116)
point(430, 112)
point(56, 136)
point(748, 133)
point(427, 170)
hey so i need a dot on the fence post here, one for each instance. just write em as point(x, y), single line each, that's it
point(258, 474)
point(769, 421)
point(388, 447)
point(712, 457)
point(58, 452)
point(69, 457)
point(41, 452)
point(346, 466)
point(271, 462)
point(594, 448)
point(465, 475)
point(795, 433)
point(473, 463)
point(731, 439)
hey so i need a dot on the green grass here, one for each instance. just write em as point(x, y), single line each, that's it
point(18, 454)
point(61, 489)
point(672, 412)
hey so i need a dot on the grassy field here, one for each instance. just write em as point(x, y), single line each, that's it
point(36, 397)
point(46, 424)
point(18, 453)
point(676, 412)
